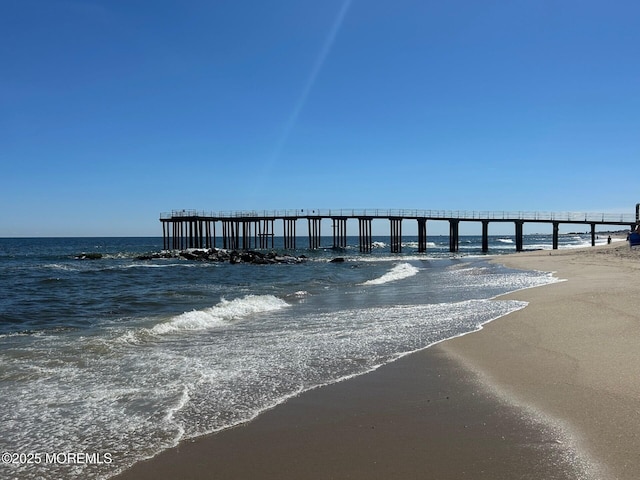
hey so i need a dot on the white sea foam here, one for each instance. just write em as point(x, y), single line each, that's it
point(158, 265)
point(398, 272)
point(505, 240)
point(417, 245)
point(219, 314)
point(59, 266)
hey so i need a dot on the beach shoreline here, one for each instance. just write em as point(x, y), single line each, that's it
point(541, 405)
point(577, 343)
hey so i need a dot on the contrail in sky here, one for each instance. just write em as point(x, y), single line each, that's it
point(315, 71)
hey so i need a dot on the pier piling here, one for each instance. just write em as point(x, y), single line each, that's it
point(314, 233)
point(264, 231)
point(396, 235)
point(454, 236)
point(519, 235)
point(339, 232)
point(485, 236)
point(289, 233)
point(422, 235)
point(366, 242)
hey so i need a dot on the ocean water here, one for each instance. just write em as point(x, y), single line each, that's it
point(109, 361)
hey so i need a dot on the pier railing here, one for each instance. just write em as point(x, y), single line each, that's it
point(407, 213)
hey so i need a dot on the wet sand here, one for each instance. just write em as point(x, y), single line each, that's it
point(574, 351)
point(549, 392)
point(424, 416)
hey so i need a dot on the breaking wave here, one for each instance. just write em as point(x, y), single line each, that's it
point(398, 272)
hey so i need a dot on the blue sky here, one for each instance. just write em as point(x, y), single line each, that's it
point(113, 111)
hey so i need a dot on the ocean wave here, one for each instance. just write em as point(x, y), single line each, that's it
point(60, 266)
point(398, 272)
point(505, 240)
point(417, 244)
point(220, 314)
point(158, 265)
point(393, 258)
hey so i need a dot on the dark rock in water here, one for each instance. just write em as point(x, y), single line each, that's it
point(89, 256)
point(154, 256)
point(337, 260)
point(233, 256)
point(189, 255)
point(195, 254)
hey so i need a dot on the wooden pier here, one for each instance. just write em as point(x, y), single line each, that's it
point(245, 230)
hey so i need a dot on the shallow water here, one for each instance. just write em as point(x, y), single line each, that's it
point(118, 358)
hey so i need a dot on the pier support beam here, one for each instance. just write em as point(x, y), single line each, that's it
point(593, 234)
point(339, 232)
point(264, 230)
point(165, 239)
point(230, 237)
point(519, 235)
point(454, 235)
point(556, 228)
point(366, 242)
point(246, 234)
point(289, 233)
point(199, 233)
point(422, 235)
point(485, 236)
point(314, 233)
point(211, 230)
point(183, 235)
point(396, 235)
point(178, 240)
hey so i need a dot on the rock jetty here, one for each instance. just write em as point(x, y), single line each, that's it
point(231, 256)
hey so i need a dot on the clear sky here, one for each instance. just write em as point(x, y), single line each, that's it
point(112, 111)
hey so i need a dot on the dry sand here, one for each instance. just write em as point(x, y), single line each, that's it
point(574, 351)
point(549, 392)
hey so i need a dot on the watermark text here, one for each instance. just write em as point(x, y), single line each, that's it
point(56, 458)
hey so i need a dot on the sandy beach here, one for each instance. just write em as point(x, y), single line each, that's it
point(573, 352)
point(551, 391)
